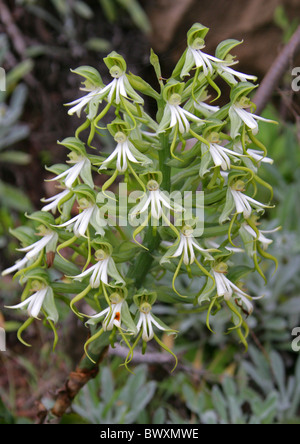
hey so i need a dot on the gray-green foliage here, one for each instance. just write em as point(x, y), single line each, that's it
point(62, 15)
point(12, 131)
point(105, 402)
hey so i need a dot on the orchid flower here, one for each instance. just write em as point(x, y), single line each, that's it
point(226, 289)
point(146, 322)
point(112, 314)
point(101, 271)
point(238, 116)
point(42, 294)
point(186, 248)
point(176, 116)
point(259, 235)
point(49, 240)
point(125, 152)
point(79, 224)
point(244, 203)
point(202, 60)
point(82, 165)
point(156, 201)
point(54, 201)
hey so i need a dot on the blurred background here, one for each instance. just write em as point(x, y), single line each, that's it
point(40, 41)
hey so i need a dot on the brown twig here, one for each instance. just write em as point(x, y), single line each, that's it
point(85, 371)
point(275, 73)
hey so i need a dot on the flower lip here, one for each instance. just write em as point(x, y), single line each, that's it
point(152, 185)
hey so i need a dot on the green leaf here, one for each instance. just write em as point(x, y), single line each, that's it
point(14, 198)
point(83, 10)
point(98, 45)
point(15, 157)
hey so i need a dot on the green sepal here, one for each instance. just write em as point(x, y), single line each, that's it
point(125, 252)
point(224, 48)
point(84, 191)
point(50, 307)
point(57, 169)
point(91, 75)
point(115, 59)
point(74, 144)
point(42, 217)
point(127, 319)
point(196, 31)
point(26, 235)
point(173, 87)
point(240, 90)
point(39, 274)
point(141, 85)
point(99, 244)
point(118, 125)
point(239, 272)
point(145, 296)
point(154, 60)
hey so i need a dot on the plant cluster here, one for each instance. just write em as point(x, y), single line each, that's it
point(124, 253)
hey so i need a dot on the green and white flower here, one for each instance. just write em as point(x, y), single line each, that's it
point(244, 203)
point(80, 223)
point(146, 322)
point(176, 116)
point(239, 116)
point(54, 201)
point(186, 248)
point(42, 297)
point(101, 271)
point(156, 201)
point(81, 167)
point(113, 314)
point(258, 235)
point(200, 59)
point(125, 152)
point(48, 241)
point(226, 289)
